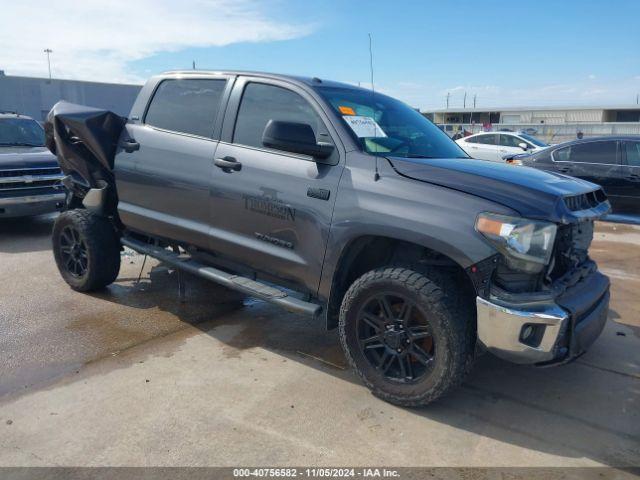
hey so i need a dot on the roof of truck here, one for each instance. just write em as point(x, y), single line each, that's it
point(5, 114)
point(311, 81)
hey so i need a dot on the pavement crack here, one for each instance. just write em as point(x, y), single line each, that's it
point(635, 376)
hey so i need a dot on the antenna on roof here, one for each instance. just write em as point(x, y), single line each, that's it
point(376, 176)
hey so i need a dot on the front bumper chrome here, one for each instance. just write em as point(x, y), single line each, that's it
point(501, 328)
point(547, 332)
point(30, 205)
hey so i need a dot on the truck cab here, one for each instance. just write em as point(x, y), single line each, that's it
point(341, 203)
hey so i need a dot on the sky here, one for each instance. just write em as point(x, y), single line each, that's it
point(505, 53)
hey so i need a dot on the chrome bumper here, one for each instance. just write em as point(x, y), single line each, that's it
point(30, 205)
point(501, 330)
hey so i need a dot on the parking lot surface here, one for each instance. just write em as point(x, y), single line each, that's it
point(133, 376)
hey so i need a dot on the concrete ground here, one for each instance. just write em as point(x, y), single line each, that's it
point(131, 376)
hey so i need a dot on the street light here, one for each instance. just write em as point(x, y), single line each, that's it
point(48, 51)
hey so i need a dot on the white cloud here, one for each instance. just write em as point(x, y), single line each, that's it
point(96, 39)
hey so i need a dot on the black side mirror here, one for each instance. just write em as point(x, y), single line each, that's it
point(296, 138)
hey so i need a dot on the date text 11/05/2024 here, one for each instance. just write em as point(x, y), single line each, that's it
point(316, 472)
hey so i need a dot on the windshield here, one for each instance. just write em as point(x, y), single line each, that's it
point(385, 126)
point(534, 140)
point(21, 132)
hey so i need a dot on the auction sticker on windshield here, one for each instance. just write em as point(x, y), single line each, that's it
point(364, 127)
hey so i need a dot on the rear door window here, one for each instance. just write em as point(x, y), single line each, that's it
point(488, 139)
point(590, 152)
point(632, 150)
point(186, 105)
point(510, 140)
point(261, 103)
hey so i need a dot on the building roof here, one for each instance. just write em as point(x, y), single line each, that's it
point(64, 80)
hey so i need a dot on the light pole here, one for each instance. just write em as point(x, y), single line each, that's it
point(48, 51)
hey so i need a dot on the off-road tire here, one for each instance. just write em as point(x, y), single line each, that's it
point(446, 311)
point(102, 249)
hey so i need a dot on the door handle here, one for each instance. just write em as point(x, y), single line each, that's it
point(227, 164)
point(634, 177)
point(564, 169)
point(130, 145)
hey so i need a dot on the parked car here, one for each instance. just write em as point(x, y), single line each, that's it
point(28, 170)
point(494, 146)
point(349, 206)
point(612, 162)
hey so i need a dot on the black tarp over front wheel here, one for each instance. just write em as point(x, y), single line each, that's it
point(84, 139)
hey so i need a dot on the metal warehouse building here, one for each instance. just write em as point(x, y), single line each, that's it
point(35, 96)
point(553, 124)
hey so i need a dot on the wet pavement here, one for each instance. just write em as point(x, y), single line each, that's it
point(134, 376)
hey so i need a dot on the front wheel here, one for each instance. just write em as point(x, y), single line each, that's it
point(406, 338)
point(86, 249)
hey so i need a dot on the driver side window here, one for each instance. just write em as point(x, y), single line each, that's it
point(510, 141)
point(261, 103)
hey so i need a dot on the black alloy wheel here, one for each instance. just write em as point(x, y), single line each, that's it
point(395, 337)
point(73, 251)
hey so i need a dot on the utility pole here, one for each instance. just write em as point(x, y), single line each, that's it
point(448, 94)
point(193, 64)
point(474, 100)
point(637, 98)
point(464, 102)
point(48, 51)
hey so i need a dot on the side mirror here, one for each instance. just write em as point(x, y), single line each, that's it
point(296, 138)
point(523, 146)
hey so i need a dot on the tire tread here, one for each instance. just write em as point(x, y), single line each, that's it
point(439, 293)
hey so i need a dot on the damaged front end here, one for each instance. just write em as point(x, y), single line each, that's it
point(85, 141)
point(553, 315)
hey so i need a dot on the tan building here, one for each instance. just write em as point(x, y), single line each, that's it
point(552, 124)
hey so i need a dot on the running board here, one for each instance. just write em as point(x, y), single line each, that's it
point(235, 282)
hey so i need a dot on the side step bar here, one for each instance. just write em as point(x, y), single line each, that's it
point(235, 282)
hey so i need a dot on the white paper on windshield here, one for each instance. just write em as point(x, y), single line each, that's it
point(364, 127)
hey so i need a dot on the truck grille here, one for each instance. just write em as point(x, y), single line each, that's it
point(572, 247)
point(585, 201)
point(27, 180)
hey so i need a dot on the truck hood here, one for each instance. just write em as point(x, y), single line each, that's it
point(26, 157)
point(532, 193)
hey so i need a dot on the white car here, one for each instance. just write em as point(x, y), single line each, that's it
point(494, 146)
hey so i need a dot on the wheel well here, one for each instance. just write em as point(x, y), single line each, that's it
point(371, 252)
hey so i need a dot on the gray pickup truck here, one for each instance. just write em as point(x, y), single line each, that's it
point(340, 203)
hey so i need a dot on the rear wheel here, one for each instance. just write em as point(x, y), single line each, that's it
point(404, 336)
point(86, 249)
